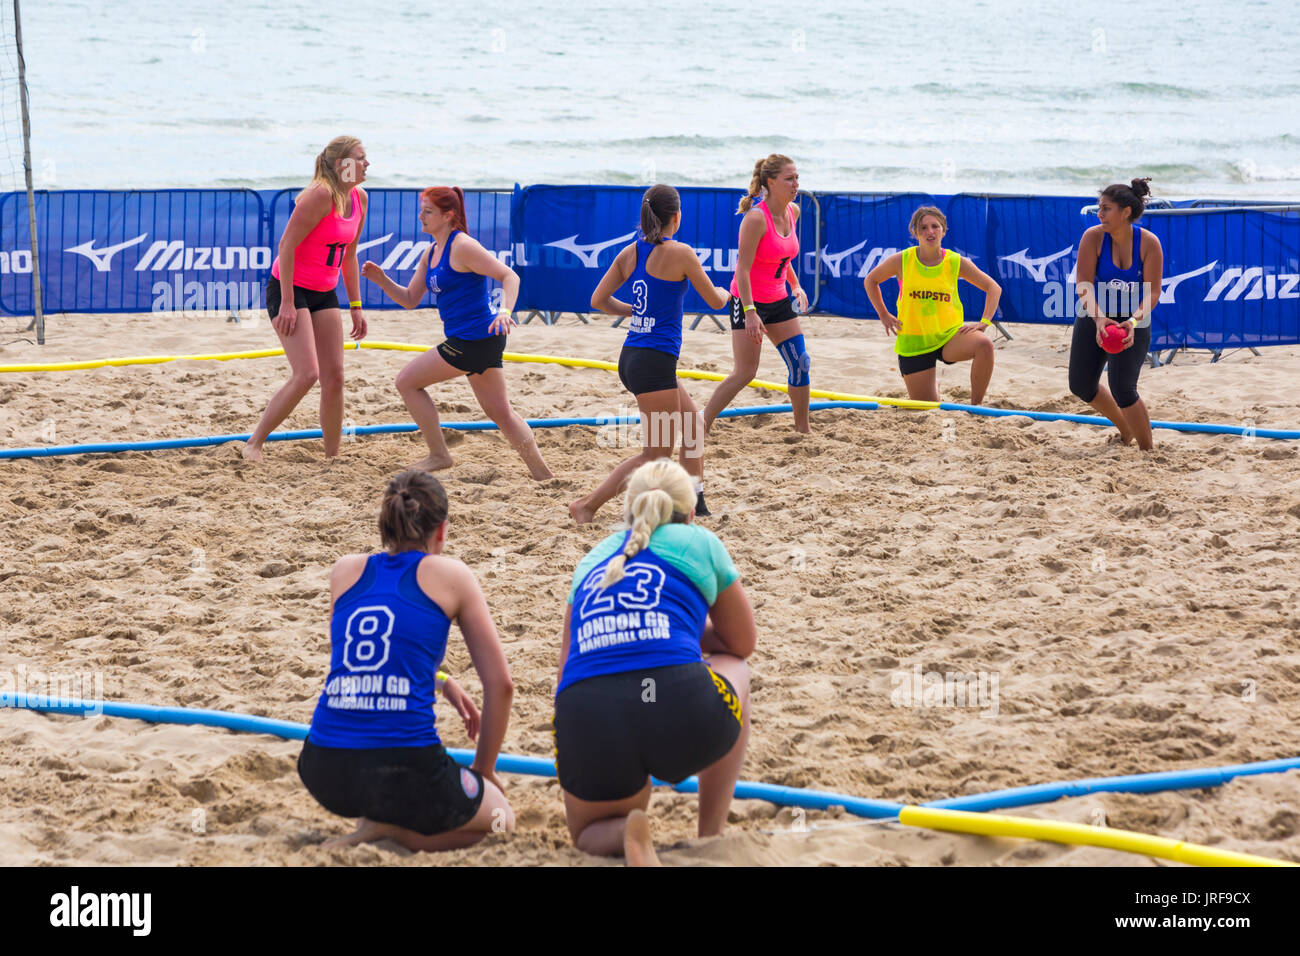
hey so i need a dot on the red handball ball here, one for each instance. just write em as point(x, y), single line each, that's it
point(1112, 338)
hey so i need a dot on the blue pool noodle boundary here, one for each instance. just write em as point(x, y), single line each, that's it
point(102, 448)
point(597, 422)
point(772, 793)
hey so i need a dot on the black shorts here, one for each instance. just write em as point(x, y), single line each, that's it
point(1087, 359)
point(782, 310)
point(612, 732)
point(473, 356)
point(310, 299)
point(418, 788)
point(910, 364)
point(646, 370)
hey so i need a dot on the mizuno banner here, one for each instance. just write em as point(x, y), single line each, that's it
point(570, 234)
point(1231, 275)
point(163, 250)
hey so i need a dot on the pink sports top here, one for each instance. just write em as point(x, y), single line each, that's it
point(774, 253)
point(319, 257)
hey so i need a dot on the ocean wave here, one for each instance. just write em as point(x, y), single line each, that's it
point(1162, 90)
point(691, 141)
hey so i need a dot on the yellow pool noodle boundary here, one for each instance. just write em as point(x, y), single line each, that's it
point(408, 347)
point(1126, 841)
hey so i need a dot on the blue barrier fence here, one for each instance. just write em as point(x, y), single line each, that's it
point(1232, 274)
point(569, 235)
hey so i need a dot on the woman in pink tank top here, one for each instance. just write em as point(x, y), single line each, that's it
point(760, 302)
point(319, 244)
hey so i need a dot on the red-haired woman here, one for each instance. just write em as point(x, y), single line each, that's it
point(319, 242)
point(456, 269)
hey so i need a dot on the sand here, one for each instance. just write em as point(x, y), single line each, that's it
point(1138, 612)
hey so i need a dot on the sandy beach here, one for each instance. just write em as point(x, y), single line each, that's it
point(1133, 612)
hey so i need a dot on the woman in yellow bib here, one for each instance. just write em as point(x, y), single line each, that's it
point(929, 323)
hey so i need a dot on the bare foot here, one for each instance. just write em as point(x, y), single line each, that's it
point(638, 845)
point(581, 512)
point(432, 463)
point(1118, 439)
point(367, 831)
point(252, 452)
point(533, 459)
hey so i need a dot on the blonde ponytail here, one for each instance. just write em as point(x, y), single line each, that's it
point(755, 189)
point(764, 170)
point(327, 173)
point(658, 492)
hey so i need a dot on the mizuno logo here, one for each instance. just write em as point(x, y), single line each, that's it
point(102, 258)
point(405, 255)
point(833, 261)
point(1255, 284)
point(17, 261)
point(1036, 267)
point(1169, 287)
point(175, 255)
point(588, 253)
point(361, 246)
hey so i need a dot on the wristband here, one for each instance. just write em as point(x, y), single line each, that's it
point(504, 314)
point(355, 305)
point(986, 321)
point(751, 308)
point(442, 676)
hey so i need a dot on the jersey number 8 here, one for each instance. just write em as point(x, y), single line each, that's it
point(366, 643)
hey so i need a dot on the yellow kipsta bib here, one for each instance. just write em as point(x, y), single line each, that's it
point(928, 304)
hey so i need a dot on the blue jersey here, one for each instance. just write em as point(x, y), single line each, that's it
point(388, 639)
point(655, 615)
point(462, 297)
point(656, 307)
point(1119, 291)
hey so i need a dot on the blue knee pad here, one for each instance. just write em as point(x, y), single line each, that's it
point(797, 361)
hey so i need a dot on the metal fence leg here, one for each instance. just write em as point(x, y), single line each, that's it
point(618, 321)
point(699, 317)
point(1002, 328)
point(1256, 351)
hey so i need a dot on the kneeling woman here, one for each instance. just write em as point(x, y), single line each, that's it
point(653, 678)
point(373, 752)
point(929, 322)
